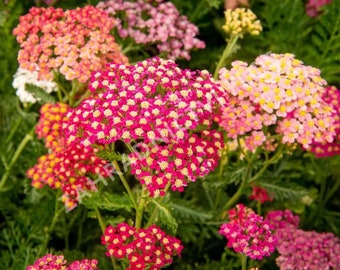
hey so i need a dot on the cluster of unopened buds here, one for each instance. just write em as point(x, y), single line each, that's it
point(162, 113)
point(248, 234)
point(279, 93)
point(149, 248)
point(241, 21)
point(58, 262)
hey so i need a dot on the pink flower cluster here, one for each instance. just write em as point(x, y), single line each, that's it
point(325, 149)
point(301, 249)
point(248, 233)
point(57, 262)
point(165, 113)
point(65, 166)
point(149, 248)
point(260, 194)
point(313, 6)
point(276, 92)
point(279, 219)
point(157, 24)
point(74, 43)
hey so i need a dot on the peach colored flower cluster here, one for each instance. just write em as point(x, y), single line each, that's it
point(73, 42)
point(278, 94)
point(158, 24)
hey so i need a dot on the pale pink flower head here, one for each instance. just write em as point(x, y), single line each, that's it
point(248, 233)
point(164, 112)
point(73, 42)
point(155, 24)
point(276, 95)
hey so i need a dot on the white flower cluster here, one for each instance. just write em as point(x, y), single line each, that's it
point(23, 76)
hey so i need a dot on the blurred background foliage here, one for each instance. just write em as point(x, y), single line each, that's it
point(33, 222)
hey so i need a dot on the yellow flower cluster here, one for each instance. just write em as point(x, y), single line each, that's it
point(241, 21)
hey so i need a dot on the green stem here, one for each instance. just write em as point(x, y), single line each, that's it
point(140, 208)
point(244, 262)
point(226, 53)
point(25, 140)
point(155, 211)
point(125, 183)
point(13, 130)
point(103, 227)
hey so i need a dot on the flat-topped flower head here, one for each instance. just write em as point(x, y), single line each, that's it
point(155, 24)
point(241, 21)
point(149, 248)
point(299, 249)
point(57, 262)
point(165, 112)
point(24, 76)
point(73, 42)
point(279, 219)
point(280, 92)
point(248, 233)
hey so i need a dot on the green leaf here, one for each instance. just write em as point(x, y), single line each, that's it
point(284, 191)
point(190, 213)
point(39, 93)
point(106, 200)
point(165, 216)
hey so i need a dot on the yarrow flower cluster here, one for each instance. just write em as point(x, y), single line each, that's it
point(157, 24)
point(57, 262)
point(241, 21)
point(260, 194)
point(164, 112)
point(248, 233)
point(24, 76)
point(325, 149)
point(65, 166)
point(313, 6)
point(73, 43)
point(301, 249)
point(149, 248)
point(276, 90)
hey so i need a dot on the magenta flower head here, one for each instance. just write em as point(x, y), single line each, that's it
point(57, 262)
point(155, 23)
point(73, 42)
point(164, 113)
point(149, 248)
point(279, 219)
point(248, 233)
point(313, 6)
point(276, 95)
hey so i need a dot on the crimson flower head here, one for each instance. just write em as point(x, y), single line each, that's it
point(149, 248)
point(260, 194)
point(165, 113)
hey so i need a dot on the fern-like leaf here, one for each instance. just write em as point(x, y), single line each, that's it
point(165, 216)
point(39, 93)
point(284, 191)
